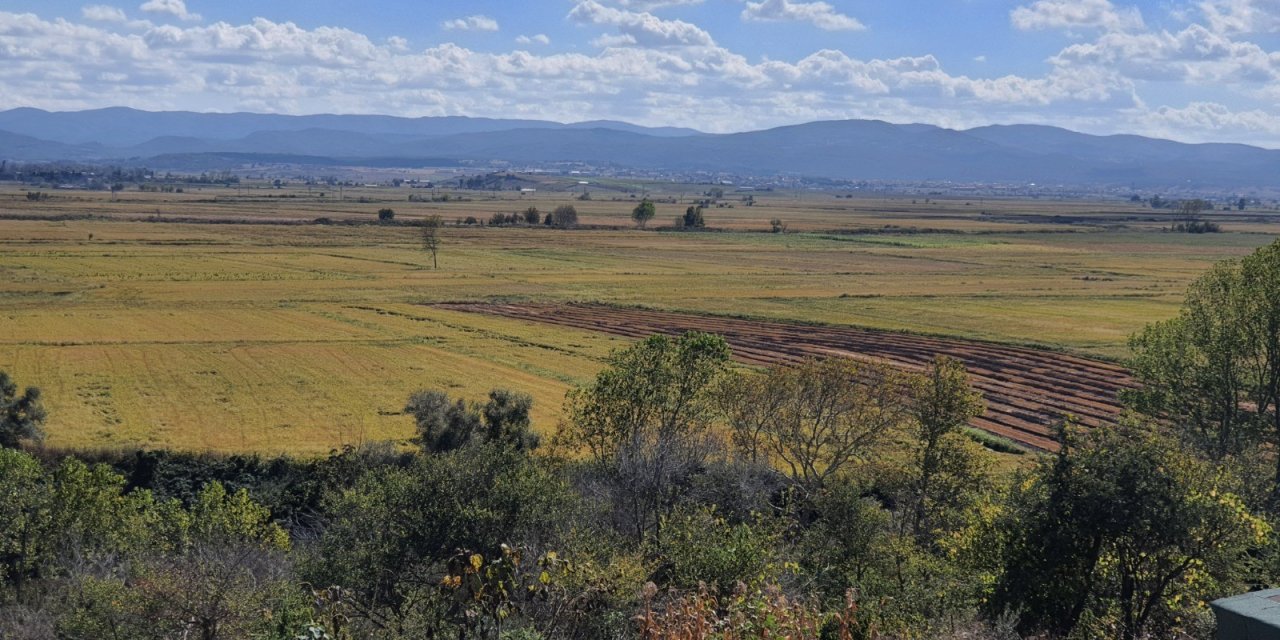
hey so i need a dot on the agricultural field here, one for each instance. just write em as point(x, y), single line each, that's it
point(1028, 392)
point(147, 325)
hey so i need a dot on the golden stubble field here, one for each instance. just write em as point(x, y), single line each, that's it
point(144, 331)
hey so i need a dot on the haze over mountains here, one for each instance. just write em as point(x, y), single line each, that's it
point(851, 149)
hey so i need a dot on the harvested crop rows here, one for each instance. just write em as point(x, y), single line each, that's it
point(1028, 391)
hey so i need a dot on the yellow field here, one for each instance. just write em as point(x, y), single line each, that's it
point(300, 338)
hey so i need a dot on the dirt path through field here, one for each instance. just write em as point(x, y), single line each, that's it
point(1028, 391)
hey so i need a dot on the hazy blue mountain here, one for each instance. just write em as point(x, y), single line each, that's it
point(664, 132)
point(122, 127)
point(847, 149)
point(16, 146)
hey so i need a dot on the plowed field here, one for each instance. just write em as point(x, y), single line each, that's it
point(1028, 391)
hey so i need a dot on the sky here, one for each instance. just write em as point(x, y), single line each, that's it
point(1197, 71)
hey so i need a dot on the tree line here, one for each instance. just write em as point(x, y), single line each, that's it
point(683, 496)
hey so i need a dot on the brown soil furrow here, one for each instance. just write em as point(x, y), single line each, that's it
point(1028, 391)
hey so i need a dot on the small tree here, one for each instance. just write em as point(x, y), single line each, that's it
point(442, 425)
point(647, 419)
point(21, 416)
point(564, 217)
point(386, 215)
point(815, 419)
point(942, 403)
point(532, 216)
point(776, 225)
point(693, 218)
point(431, 237)
point(1214, 370)
point(445, 425)
point(643, 212)
point(1121, 532)
point(1193, 207)
point(506, 420)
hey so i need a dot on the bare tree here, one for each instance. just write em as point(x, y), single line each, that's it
point(815, 419)
point(431, 238)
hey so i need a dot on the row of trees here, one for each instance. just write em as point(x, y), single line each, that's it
point(645, 211)
point(685, 497)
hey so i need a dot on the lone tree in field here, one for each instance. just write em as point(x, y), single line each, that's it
point(693, 218)
point(20, 415)
point(1214, 371)
point(1194, 207)
point(564, 217)
point(386, 215)
point(643, 212)
point(431, 237)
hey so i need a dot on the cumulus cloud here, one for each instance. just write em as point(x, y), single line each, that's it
point(641, 28)
point(1075, 15)
point(175, 8)
point(1202, 122)
point(821, 14)
point(1242, 16)
point(650, 5)
point(1194, 55)
point(102, 13)
point(540, 38)
point(472, 23)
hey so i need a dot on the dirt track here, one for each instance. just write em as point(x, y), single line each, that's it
point(1028, 391)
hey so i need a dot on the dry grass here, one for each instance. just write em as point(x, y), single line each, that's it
point(300, 338)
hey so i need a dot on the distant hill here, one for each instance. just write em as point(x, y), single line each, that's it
point(123, 127)
point(847, 149)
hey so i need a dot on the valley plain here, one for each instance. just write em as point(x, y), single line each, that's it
point(226, 319)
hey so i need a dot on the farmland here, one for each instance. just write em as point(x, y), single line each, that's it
point(146, 325)
point(1028, 391)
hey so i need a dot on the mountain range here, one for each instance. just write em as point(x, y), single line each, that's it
point(847, 149)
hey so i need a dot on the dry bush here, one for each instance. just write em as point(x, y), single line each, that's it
point(763, 613)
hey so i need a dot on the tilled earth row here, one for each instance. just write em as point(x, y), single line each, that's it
point(1028, 391)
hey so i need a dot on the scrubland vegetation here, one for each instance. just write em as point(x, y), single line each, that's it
point(682, 497)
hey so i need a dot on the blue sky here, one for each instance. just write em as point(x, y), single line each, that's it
point(1201, 70)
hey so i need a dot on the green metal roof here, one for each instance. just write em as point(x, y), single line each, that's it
point(1252, 616)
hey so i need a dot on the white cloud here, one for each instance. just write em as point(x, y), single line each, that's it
point(640, 28)
point(175, 8)
point(821, 14)
point(472, 23)
point(1242, 16)
point(1202, 122)
point(102, 13)
point(540, 38)
point(650, 5)
point(1194, 55)
point(1075, 15)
